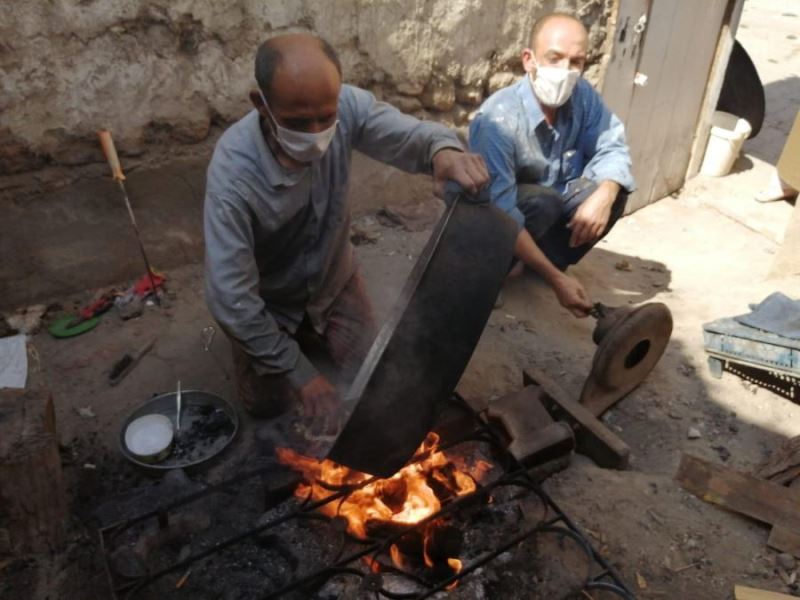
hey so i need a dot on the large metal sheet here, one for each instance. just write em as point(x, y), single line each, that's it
point(421, 352)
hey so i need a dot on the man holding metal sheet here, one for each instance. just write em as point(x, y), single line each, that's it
point(281, 278)
point(557, 157)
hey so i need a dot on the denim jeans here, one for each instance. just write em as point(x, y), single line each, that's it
point(547, 213)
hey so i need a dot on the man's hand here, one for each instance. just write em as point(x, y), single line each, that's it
point(591, 219)
point(572, 296)
point(321, 405)
point(465, 168)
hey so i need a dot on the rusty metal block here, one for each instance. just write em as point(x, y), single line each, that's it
point(532, 436)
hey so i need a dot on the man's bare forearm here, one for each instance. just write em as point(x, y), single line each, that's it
point(526, 249)
point(569, 292)
point(611, 189)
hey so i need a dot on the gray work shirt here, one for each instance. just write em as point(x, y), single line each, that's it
point(277, 241)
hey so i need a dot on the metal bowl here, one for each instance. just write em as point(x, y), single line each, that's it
point(196, 443)
point(149, 438)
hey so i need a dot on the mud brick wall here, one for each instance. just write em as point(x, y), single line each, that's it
point(165, 75)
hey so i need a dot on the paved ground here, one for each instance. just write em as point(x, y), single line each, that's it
point(706, 253)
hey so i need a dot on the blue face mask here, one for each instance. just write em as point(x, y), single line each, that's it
point(301, 146)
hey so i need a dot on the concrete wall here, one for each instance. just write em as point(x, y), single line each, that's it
point(165, 73)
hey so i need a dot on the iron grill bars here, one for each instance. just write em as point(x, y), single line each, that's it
point(605, 577)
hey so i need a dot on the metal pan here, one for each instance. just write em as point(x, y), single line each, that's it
point(197, 443)
point(422, 350)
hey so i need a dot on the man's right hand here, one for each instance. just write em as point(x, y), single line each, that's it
point(569, 292)
point(321, 405)
point(572, 295)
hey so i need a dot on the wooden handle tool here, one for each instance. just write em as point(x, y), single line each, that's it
point(107, 142)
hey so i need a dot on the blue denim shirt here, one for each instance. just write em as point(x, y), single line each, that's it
point(278, 241)
point(518, 145)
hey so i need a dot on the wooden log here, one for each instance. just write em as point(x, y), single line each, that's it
point(32, 494)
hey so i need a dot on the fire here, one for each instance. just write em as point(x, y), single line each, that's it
point(456, 565)
point(412, 494)
point(405, 498)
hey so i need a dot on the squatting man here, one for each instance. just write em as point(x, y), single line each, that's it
point(557, 157)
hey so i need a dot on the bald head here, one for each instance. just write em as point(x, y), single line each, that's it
point(300, 77)
point(294, 55)
point(559, 23)
point(557, 39)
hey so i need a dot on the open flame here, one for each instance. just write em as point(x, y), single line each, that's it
point(409, 496)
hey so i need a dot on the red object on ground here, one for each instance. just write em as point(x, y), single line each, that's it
point(143, 287)
point(95, 308)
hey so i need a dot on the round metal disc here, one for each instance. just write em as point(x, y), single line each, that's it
point(627, 353)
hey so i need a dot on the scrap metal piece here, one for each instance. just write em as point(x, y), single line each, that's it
point(592, 437)
point(630, 342)
point(422, 350)
point(742, 92)
point(126, 364)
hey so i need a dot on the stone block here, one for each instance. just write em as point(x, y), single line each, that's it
point(410, 88)
point(406, 104)
point(470, 95)
point(439, 96)
point(500, 80)
point(16, 156)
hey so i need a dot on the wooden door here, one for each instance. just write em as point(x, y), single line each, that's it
point(674, 49)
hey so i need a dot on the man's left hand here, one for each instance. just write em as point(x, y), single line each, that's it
point(591, 219)
point(466, 169)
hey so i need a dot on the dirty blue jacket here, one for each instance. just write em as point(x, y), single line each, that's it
point(277, 241)
point(518, 145)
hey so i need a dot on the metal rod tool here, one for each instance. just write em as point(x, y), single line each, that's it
point(116, 172)
point(178, 408)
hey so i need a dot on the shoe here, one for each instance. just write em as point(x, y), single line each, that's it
point(776, 190)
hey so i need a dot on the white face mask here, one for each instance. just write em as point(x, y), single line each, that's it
point(301, 146)
point(553, 85)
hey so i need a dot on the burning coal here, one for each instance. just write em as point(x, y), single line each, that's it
point(411, 495)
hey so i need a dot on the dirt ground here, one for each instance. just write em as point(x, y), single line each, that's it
point(705, 252)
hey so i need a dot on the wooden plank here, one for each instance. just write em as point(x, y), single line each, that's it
point(643, 120)
point(693, 45)
point(624, 60)
point(715, 80)
point(679, 47)
point(783, 537)
point(783, 465)
point(592, 437)
point(756, 498)
point(741, 592)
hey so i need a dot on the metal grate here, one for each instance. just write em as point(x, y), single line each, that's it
point(516, 481)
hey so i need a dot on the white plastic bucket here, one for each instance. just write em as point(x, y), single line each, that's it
point(728, 133)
